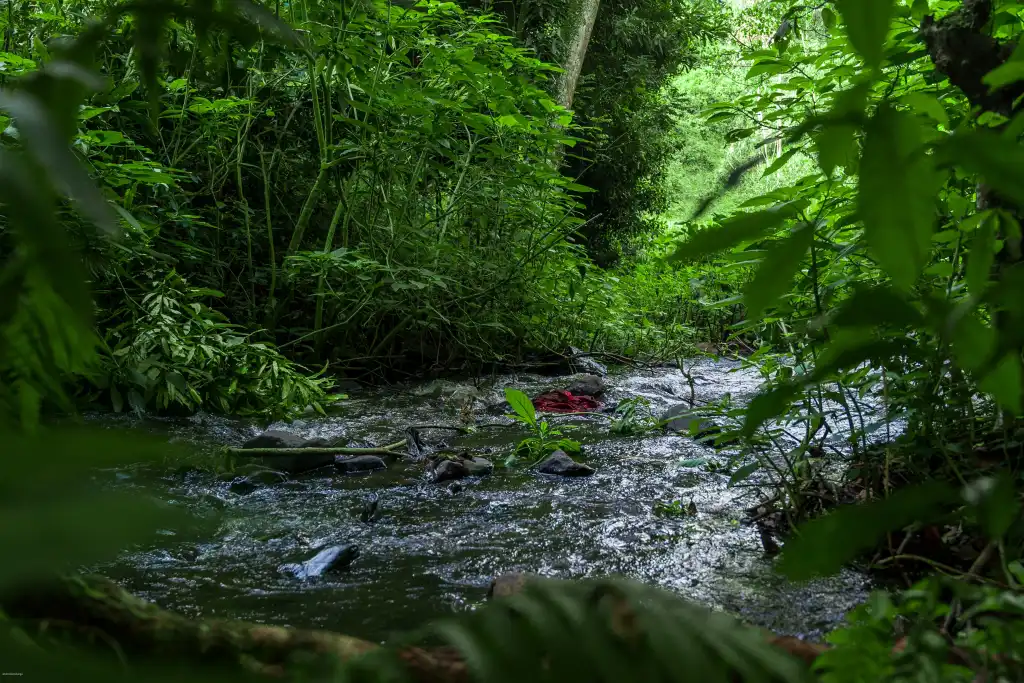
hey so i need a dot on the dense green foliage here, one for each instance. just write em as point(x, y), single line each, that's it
point(890, 269)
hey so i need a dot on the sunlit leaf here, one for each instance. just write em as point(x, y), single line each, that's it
point(740, 228)
point(521, 404)
point(867, 25)
point(775, 274)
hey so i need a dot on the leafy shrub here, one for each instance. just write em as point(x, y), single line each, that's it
point(173, 351)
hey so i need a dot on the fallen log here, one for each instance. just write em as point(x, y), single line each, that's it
point(83, 608)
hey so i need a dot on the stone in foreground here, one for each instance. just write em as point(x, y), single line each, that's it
point(359, 464)
point(332, 559)
point(559, 463)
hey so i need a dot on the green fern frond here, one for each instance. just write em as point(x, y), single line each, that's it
point(612, 631)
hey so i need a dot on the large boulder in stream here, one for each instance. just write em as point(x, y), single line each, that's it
point(292, 463)
point(678, 418)
point(559, 463)
point(359, 464)
point(587, 385)
point(332, 559)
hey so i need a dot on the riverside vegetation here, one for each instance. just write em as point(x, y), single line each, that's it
point(229, 206)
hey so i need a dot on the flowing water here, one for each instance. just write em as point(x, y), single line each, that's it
point(435, 547)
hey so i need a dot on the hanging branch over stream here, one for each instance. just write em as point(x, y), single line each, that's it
point(412, 444)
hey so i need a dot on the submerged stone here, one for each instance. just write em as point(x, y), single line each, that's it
point(251, 482)
point(332, 559)
point(478, 467)
point(678, 419)
point(450, 470)
point(359, 463)
point(559, 463)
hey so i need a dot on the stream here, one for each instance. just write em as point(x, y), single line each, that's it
point(436, 547)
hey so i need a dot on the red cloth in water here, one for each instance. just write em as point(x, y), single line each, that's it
point(559, 401)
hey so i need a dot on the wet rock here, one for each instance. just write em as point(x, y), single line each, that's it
point(478, 467)
point(450, 470)
point(509, 584)
point(332, 559)
point(275, 438)
point(292, 463)
point(677, 419)
point(709, 348)
point(368, 512)
point(249, 483)
point(359, 463)
point(561, 464)
point(465, 393)
point(345, 386)
point(587, 385)
point(578, 362)
point(215, 502)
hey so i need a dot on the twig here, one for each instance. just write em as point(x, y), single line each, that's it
point(390, 449)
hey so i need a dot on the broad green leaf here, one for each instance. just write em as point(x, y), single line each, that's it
point(1009, 72)
point(853, 349)
point(824, 545)
point(876, 306)
point(775, 274)
point(781, 161)
point(896, 196)
point(928, 105)
point(828, 17)
point(741, 228)
point(521, 404)
point(987, 153)
point(867, 25)
point(743, 473)
point(1004, 382)
point(766, 406)
point(973, 342)
point(994, 500)
point(42, 137)
point(1004, 75)
point(835, 141)
point(919, 9)
point(981, 258)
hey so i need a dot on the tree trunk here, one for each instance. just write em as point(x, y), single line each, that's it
point(139, 631)
point(584, 25)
